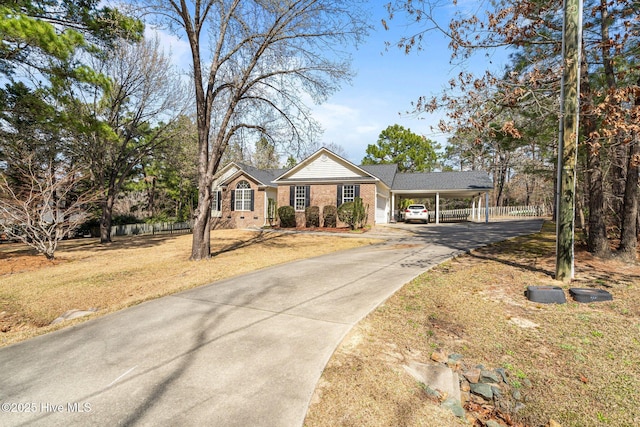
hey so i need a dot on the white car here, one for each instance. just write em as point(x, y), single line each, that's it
point(416, 213)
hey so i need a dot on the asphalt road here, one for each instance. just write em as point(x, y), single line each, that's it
point(241, 352)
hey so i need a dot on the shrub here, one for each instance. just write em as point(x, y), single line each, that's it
point(312, 216)
point(329, 216)
point(125, 220)
point(353, 213)
point(287, 216)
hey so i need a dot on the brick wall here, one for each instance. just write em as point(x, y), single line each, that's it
point(242, 219)
point(327, 194)
point(368, 196)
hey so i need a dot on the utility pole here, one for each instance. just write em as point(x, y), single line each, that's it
point(568, 139)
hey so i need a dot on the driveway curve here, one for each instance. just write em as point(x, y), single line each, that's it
point(243, 351)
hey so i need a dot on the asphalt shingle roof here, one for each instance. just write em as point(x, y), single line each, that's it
point(264, 176)
point(388, 174)
point(385, 173)
point(443, 181)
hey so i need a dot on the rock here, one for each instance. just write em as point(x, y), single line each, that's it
point(526, 382)
point(455, 357)
point(438, 356)
point(503, 406)
point(491, 423)
point(516, 394)
point(503, 375)
point(454, 406)
point(553, 423)
point(472, 375)
point(479, 400)
point(519, 406)
point(438, 377)
point(482, 389)
point(471, 419)
point(487, 376)
point(464, 385)
point(454, 364)
point(431, 392)
point(497, 393)
point(74, 314)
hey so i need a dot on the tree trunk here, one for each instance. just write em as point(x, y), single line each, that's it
point(597, 242)
point(105, 219)
point(201, 241)
point(629, 233)
point(616, 167)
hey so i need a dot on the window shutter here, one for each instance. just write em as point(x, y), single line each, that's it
point(356, 190)
point(252, 200)
point(218, 200)
point(339, 201)
point(307, 196)
point(233, 200)
point(292, 195)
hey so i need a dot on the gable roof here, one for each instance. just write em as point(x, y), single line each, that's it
point(263, 176)
point(325, 166)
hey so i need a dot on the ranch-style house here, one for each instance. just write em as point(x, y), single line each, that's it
point(241, 192)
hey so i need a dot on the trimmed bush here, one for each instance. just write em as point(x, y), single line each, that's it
point(312, 216)
point(329, 216)
point(353, 213)
point(287, 215)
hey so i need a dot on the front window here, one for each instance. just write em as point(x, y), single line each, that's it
point(215, 203)
point(300, 197)
point(243, 196)
point(348, 193)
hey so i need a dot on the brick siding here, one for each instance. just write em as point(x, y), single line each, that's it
point(242, 219)
point(326, 195)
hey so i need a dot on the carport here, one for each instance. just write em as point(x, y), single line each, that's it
point(451, 185)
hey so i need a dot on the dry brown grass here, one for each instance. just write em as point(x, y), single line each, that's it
point(579, 367)
point(85, 274)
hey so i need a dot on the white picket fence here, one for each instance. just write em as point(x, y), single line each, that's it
point(156, 228)
point(500, 212)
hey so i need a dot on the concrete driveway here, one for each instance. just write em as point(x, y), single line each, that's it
point(241, 352)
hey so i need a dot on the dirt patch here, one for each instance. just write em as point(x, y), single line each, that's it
point(16, 259)
point(576, 364)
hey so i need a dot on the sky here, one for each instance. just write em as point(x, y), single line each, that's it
point(382, 92)
point(386, 83)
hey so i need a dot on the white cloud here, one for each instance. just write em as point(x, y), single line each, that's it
point(333, 115)
point(173, 46)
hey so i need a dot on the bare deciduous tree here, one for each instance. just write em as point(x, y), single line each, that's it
point(252, 62)
point(132, 119)
point(44, 205)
